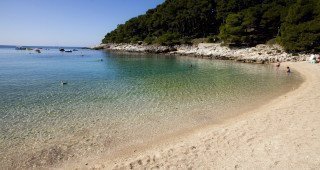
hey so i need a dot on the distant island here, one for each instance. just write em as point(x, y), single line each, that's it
point(294, 24)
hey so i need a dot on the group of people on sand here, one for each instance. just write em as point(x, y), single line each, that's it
point(314, 58)
point(288, 68)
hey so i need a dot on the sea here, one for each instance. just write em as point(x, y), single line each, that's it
point(58, 106)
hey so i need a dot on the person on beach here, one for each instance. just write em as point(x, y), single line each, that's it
point(288, 70)
point(278, 65)
point(312, 59)
point(318, 58)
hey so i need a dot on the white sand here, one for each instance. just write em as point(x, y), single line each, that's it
point(283, 134)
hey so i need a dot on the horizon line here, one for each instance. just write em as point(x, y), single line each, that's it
point(41, 45)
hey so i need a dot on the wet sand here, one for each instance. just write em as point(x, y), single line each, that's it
point(282, 134)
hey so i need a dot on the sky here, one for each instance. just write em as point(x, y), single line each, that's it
point(65, 22)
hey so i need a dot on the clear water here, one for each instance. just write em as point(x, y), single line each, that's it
point(122, 100)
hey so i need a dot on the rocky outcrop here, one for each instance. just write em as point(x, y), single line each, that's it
point(259, 54)
point(136, 48)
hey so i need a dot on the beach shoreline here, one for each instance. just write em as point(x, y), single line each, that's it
point(275, 135)
point(63, 153)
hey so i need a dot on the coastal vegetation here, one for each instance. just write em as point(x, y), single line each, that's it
point(292, 23)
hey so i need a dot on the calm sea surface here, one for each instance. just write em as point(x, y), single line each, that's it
point(117, 102)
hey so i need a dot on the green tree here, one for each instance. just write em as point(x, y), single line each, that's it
point(232, 31)
point(301, 29)
point(169, 39)
point(242, 28)
point(188, 18)
point(239, 22)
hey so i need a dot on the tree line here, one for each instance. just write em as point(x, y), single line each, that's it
point(295, 24)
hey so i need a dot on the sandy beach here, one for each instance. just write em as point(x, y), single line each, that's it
point(162, 84)
point(282, 134)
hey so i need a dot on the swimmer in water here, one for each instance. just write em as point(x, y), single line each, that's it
point(288, 70)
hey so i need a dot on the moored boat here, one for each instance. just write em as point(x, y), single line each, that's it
point(37, 50)
point(21, 48)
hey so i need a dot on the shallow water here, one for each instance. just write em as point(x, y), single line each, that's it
point(122, 100)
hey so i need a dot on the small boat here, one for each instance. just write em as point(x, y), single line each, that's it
point(68, 51)
point(61, 49)
point(64, 83)
point(75, 50)
point(38, 50)
point(21, 48)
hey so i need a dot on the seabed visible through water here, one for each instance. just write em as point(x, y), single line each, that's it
point(117, 101)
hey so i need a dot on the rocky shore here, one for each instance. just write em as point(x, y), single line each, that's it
point(135, 48)
point(258, 54)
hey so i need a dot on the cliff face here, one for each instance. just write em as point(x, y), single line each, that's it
point(258, 54)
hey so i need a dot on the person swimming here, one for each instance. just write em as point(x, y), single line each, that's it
point(288, 70)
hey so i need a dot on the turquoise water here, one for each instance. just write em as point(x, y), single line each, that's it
point(117, 102)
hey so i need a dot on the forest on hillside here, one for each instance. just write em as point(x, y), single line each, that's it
point(295, 24)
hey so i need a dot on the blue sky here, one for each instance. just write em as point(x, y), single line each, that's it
point(65, 22)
